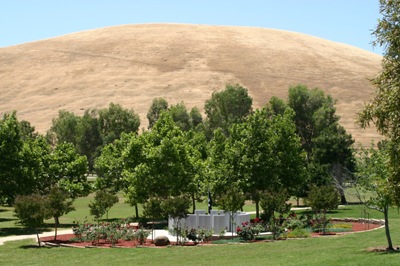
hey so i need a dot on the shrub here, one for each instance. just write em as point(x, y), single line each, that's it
point(298, 233)
point(248, 231)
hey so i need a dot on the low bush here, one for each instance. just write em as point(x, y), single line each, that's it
point(298, 233)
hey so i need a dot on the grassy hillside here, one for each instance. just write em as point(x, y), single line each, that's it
point(132, 64)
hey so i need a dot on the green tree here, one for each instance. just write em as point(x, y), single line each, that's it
point(11, 159)
point(274, 201)
point(195, 117)
point(181, 116)
point(88, 138)
point(109, 166)
point(325, 141)
point(226, 107)
point(158, 163)
point(268, 154)
point(64, 128)
point(383, 109)
point(177, 209)
point(373, 173)
point(322, 199)
point(232, 201)
point(115, 120)
point(157, 107)
point(58, 204)
point(68, 170)
point(103, 201)
point(32, 211)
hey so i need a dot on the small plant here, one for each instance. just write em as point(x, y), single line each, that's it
point(248, 231)
point(141, 235)
point(221, 234)
point(298, 233)
point(320, 223)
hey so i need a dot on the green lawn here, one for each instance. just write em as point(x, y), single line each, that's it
point(340, 250)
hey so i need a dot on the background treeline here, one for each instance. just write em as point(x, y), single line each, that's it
point(287, 146)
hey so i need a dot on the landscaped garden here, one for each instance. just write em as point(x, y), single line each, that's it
point(346, 249)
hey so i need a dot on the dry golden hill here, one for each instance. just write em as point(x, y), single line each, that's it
point(132, 64)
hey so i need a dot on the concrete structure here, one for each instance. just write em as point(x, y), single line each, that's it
point(216, 220)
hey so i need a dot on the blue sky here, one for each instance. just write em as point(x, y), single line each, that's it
point(345, 21)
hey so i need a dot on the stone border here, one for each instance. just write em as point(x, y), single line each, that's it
point(360, 220)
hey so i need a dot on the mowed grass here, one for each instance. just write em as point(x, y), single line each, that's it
point(338, 250)
point(121, 210)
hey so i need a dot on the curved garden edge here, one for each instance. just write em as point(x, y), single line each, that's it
point(369, 225)
point(375, 224)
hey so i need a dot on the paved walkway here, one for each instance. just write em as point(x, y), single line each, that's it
point(69, 231)
point(21, 237)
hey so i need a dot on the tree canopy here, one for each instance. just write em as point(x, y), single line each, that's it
point(383, 109)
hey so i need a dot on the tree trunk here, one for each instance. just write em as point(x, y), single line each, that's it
point(136, 211)
point(37, 235)
point(193, 203)
point(56, 223)
point(298, 201)
point(343, 200)
point(257, 202)
point(389, 239)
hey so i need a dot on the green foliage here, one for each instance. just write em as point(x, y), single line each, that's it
point(176, 207)
point(116, 120)
point(103, 201)
point(195, 117)
point(323, 198)
point(157, 107)
point(227, 107)
point(109, 232)
point(64, 128)
point(374, 176)
point(58, 204)
point(109, 166)
point(152, 209)
point(181, 116)
point(32, 211)
point(248, 232)
point(383, 109)
point(298, 233)
point(11, 159)
point(373, 172)
point(274, 201)
point(68, 170)
point(159, 163)
point(326, 142)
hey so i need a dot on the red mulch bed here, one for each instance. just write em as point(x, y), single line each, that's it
point(69, 239)
point(356, 227)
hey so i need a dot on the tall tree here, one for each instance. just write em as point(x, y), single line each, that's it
point(373, 179)
point(157, 107)
point(268, 153)
point(181, 116)
point(11, 158)
point(158, 163)
point(383, 109)
point(58, 204)
point(326, 142)
point(226, 107)
point(68, 170)
point(89, 139)
point(115, 120)
point(64, 128)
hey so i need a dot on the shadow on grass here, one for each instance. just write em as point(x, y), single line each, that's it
point(33, 247)
point(7, 219)
point(17, 231)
